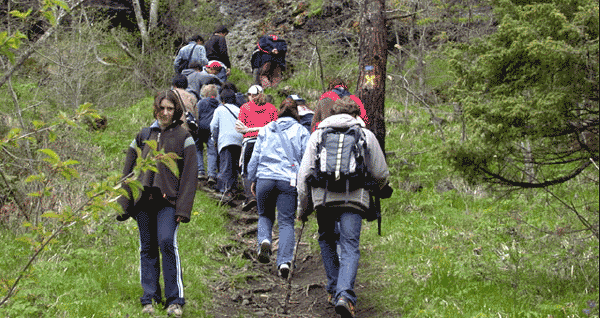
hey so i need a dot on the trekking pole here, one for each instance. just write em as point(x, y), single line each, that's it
point(289, 279)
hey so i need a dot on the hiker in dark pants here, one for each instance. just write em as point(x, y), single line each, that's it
point(166, 201)
point(346, 208)
point(229, 143)
point(268, 60)
point(272, 170)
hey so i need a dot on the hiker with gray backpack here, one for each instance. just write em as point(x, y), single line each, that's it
point(342, 166)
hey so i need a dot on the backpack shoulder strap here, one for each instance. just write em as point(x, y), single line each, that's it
point(286, 147)
point(232, 114)
point(191, 52)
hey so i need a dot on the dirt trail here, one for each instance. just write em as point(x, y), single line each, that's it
point(262, 293)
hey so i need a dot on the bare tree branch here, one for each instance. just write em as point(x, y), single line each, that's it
point(401, 16)
point(123, 47)
point(61, 15)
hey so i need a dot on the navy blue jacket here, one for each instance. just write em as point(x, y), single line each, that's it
point(262, 53)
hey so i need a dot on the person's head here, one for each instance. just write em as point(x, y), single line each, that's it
point(221, 30)
point(167, 108)
point(209, 90)
point(289, 108)
point(180, 81)
point(229, 85)
point(197, 38)
point(195, 65)
point(255, 94)
point(213, 67)
point(299, 100)
point(228, 96)
point(346, 105)
point(335, 82)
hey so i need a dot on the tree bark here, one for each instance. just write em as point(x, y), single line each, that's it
point(153, 20)
point(372, 65)
point(141, 23)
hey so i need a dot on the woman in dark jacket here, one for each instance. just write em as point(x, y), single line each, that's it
point(166, 201)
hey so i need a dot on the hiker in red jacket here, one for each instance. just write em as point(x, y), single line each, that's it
point(337, 90)
point(253, 115)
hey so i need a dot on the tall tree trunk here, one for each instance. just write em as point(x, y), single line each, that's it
point(153, 20)
point(141, 23)
point(372, 65)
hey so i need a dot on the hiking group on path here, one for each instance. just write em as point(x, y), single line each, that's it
point(291, 160)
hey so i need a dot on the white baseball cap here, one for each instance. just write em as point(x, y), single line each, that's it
point(255, 89)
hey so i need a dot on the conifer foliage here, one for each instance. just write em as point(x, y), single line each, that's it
point(530, 94)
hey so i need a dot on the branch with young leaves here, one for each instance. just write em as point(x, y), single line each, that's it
point(13, 42)
point(99, 198)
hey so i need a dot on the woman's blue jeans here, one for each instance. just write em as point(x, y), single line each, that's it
point(272, 194)
point(211, 158)
point(158, 234)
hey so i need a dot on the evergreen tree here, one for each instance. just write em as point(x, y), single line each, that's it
point(530, 94)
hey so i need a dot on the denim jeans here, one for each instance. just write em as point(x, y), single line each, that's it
point(271, 194)
point(211, 157)
point(228, 167)
point(341, 270)
point(158, 231)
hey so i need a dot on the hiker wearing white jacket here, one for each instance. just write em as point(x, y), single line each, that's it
point(229, 142)
point(272, 170)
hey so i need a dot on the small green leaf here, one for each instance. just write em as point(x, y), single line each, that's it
point(50, 214)
point(19, 14)
point(52, 156)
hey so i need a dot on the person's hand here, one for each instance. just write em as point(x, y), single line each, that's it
point(228, 71)
point(253, 188)
point(274, 51)
point(240, 127)
point(179, 219)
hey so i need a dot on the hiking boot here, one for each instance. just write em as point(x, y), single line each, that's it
point(148, 309)
point(330, 299)
point(175, 310)
point(344, 308)
point(264, 253)
point(249, 205)
point(211, 181)
point(284, 270)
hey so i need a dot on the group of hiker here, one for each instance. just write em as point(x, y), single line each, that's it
point(292, 160)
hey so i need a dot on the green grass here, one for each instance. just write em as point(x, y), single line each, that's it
point(471, 252)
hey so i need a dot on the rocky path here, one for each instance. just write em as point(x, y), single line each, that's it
point(257, 290)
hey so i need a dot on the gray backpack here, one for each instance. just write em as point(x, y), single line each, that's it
point(340, 161)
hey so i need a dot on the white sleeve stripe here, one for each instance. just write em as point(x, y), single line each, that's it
point(189, 141)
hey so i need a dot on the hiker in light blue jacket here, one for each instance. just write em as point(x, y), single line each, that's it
point(272, 170)
point(229, 143)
